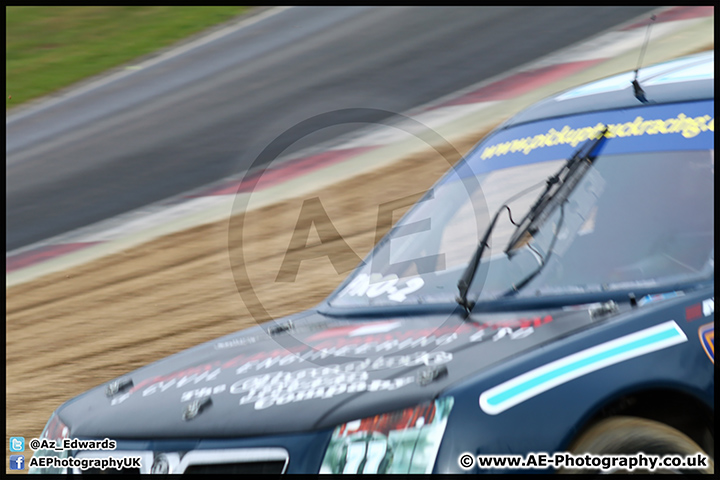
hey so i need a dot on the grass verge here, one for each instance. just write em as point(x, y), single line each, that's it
point(48, 48)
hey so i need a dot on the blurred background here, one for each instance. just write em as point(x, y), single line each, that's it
point(206, 113)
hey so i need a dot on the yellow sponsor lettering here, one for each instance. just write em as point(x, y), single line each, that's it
point(688, 127)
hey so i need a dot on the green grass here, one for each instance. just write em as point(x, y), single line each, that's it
point(48, 48)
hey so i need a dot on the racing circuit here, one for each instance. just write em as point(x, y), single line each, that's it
point(123, 257)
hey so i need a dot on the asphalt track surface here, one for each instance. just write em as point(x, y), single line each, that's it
point(207, 113)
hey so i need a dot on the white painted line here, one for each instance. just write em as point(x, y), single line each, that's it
point(151, 220)
point(433, 119)
point(612, 44)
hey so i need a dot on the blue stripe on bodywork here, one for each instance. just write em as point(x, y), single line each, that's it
point(510, 393)
point(580, 363)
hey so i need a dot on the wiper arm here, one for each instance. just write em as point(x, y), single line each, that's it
point(558, 188)
point(469, 274)
point(516, 288)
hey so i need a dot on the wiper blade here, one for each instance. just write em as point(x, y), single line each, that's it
point(469, 273)
point(516, 288)
point(558, 188)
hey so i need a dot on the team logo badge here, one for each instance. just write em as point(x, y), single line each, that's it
point(707, 339)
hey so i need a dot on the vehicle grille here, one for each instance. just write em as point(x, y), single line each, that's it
point(250, 467)
point(112, 471)
point(238, 461)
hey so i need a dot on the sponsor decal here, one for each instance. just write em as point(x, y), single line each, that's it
point(693, 312)
point(264, 387)
point(282, 388)
point(657, 297)
point(370, 347)
point(380, 327)
point(655, 128)
point(349, 336)
point(708, 307)
point(533, 383)
point(707, 340)
point(687, 126)
point(396, 289)
point(355, 330)
point(235, 342)
point(192, 375)
point(704, 309)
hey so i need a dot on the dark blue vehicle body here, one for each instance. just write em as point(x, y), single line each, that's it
point(525, 373)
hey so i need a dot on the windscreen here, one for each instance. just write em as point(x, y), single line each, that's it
point(642, 216)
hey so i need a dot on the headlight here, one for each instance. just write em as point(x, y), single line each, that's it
point(405, 441)
point(54, 430)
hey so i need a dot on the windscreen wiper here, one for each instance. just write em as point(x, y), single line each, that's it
point(469, 274)
point(558, 188)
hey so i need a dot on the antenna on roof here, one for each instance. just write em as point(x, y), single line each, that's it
point(637, 89)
